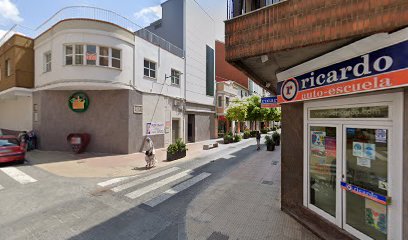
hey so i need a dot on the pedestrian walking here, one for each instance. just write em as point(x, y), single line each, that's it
point(150, 155)
point(258, 140)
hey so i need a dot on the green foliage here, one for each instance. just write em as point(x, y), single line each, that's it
point(264, 131)
point(269, 140)
point(228, 138)
point(253, 108)
point(276, 138)
point(253, 133)
point(247, 134)
point(237, 111)
point(237, 138)
point(178, 146)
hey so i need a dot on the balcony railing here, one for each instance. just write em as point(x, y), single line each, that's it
point(237, 8)
point(94, 13)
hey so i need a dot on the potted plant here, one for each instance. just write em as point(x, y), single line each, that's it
point(237, 138)
point(276, 138)
point(270, 144)
point(176, 150)
point(264, 130)
point(228, 138)
point(247, 134)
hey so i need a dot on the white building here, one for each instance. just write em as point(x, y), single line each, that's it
point(97, 77)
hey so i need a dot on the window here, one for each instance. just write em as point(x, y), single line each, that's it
point(210, 77)
point(69, 52)
point(219, 101)
point(47, 62)
point(149, 69)
point(116, 58)
point(227, 101)
point(175, 77)
point(79, 54)
point(90, 54)
point(104, 56)
point(8, 68)
point(93, 55)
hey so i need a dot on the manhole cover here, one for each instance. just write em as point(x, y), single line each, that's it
point(267, 182)
point(217, 236)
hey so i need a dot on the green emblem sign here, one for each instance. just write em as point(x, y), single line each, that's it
point(78, 102)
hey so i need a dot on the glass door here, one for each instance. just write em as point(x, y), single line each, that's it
point(365, 181)
point(323, 174)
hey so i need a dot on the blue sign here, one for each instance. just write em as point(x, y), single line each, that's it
point(365, 193)
point(269, 102)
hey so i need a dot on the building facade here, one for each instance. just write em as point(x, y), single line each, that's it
point(340, 75)
point(179, 26)
point(16, 83)
point(95, 75)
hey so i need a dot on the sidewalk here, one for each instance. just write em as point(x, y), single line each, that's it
point(102, 165)
point(245, 204)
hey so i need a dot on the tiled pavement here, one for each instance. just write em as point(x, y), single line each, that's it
point(245, 204)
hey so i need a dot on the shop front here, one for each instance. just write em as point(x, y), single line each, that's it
point(353, 163)
point(350, 109)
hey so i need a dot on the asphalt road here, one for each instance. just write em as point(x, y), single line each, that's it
point(35, 204)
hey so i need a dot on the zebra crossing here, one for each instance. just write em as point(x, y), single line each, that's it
point(16, 175)
point(137, 188)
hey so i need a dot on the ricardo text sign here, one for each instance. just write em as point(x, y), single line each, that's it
point(381, 69)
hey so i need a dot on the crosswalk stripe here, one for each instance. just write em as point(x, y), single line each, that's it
point(113, 181)
point(1, 187)
point(156, 185)
point(144, 179)
point(179, 188)
point(18, 175)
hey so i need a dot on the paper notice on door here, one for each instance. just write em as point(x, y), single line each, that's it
point(358, 149)
point(376, 215)
point(364, 162)
point(369, 151)
point(382, 185)
point(381, 135)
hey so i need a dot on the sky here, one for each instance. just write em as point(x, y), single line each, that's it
point(31, 13)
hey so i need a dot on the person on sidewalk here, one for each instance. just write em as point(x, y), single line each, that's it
point(258, 140)
point(150, 154)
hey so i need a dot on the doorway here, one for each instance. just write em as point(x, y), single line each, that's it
point(175, 129)
point(191, 128)
point(352, 167)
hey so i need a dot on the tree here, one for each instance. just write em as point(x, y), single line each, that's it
point(254, 108)
point(237, 111)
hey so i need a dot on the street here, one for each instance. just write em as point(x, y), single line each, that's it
point(230, 193)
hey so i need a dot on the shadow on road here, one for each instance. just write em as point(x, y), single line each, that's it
point(166, 220)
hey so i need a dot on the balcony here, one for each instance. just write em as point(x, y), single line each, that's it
point(272, 36)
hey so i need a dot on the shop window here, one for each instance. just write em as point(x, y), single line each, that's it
point(227, 101)
point(90, 55)
point(104, 56)
point(322, 168)
point(116, 56)
point(79, 54)
point(69, 53)
point(175, 77)
point(8, 68)
point(47, 62)
point(149, 69)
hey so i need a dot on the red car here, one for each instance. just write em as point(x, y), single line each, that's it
point(10, 150)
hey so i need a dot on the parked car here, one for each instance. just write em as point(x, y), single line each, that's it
point(10, 150)
point(1, 133)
